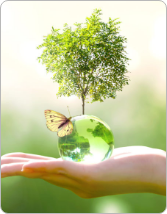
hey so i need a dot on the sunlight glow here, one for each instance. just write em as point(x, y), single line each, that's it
point(158, 42)
point(89, 159)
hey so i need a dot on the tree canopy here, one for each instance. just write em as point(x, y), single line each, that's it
point(88, 59)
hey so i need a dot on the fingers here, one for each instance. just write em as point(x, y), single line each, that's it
point(14, 169)
point(12, 163)
point(24, 155)
point(71, 169)
point(50, 166)
point(11, 169)
point(62, 173)
point(7, 160)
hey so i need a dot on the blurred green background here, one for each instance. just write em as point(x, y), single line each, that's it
point(137, 116)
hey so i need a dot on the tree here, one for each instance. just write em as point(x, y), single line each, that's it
point(89, 59)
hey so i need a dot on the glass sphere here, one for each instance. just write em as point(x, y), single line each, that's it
point(91, 140)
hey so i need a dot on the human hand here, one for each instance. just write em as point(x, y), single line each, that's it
point(129, 170)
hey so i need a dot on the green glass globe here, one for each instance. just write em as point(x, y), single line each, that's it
point(91, 140)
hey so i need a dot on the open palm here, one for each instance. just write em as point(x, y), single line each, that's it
point(130, 169)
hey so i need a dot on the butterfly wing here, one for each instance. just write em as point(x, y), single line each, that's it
point(67, 129)
point(54, 120)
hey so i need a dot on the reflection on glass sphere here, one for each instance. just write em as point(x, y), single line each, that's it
point(91, 140)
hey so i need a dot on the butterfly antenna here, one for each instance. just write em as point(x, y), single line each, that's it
point(69, 111)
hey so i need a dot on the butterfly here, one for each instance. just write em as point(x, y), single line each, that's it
point(56, 121)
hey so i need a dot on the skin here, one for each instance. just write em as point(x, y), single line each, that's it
point(133, 169)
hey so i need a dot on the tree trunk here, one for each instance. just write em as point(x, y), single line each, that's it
point(83, 104)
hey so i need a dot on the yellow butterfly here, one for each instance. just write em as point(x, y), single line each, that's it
point(56, 121)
